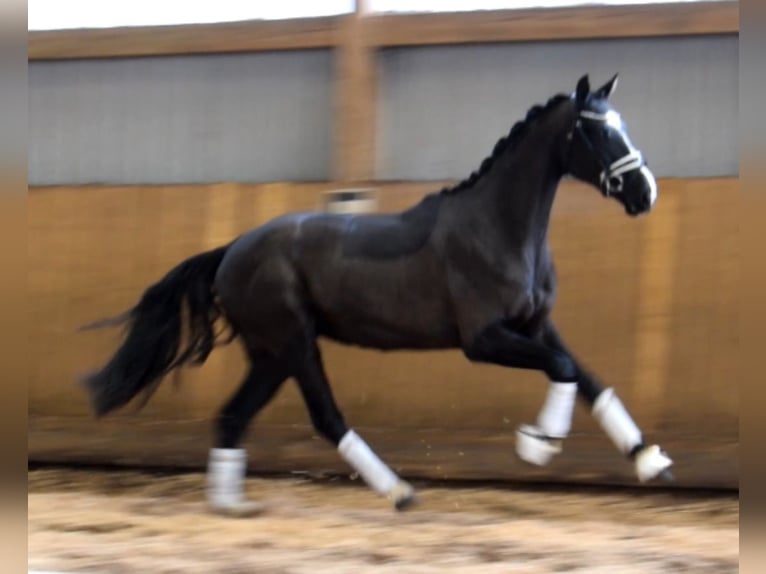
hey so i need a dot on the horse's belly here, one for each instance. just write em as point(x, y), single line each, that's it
point(378, 335)
point(398, 303)
point(389, 322)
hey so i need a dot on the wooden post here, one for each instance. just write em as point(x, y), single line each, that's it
point(355, 102)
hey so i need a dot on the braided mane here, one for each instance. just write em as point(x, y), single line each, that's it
point(517, 133)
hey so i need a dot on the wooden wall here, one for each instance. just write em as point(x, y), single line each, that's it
point(387, 30)
point(648, 303)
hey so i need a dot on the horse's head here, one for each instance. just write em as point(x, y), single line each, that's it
point(602, 154)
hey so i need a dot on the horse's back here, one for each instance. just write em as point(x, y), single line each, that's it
point(370, 236)
point(391, 236)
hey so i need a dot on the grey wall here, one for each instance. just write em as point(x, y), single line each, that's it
point(269, 116)
point(249, 117)
point(443, 108)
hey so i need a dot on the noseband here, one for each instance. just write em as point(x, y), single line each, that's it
point(611, 177)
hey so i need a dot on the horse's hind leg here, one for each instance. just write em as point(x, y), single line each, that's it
point(227, 464)
point(309, 371)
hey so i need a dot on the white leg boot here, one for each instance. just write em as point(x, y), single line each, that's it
point(226, 483)
point(538, 444)
point(375, 472)
point(650, 462)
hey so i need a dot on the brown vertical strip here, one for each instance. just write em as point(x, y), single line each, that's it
point(220, 227)
point(655, 310)
point(355, 102)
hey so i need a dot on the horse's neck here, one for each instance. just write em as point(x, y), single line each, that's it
point(522, 187)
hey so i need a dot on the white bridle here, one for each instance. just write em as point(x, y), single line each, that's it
point(611, 176)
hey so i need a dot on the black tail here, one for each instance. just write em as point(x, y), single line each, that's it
point(154, 332)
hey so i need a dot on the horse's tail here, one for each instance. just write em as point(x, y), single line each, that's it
point(152, 347)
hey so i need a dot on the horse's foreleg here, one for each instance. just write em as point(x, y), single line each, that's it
point(227, 464)
point(539, 443)
point(536, 444)
point(328, 421)
point(650, 461)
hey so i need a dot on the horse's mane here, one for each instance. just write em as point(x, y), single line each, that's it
point(517, 133)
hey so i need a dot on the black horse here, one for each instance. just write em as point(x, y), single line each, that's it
point(468, 267)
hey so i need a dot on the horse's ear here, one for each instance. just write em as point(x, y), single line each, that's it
point(607, 89)
point(583, 89)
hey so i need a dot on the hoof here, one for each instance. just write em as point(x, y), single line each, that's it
point(246, 509)
point(652, 463)
point(666, 476)
point(406, 502)
point(403, 496)
point(535, 448)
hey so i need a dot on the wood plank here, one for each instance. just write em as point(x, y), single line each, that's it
point(385, 30)
point(579, 23)
point(420, 453)
point(250, 36)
